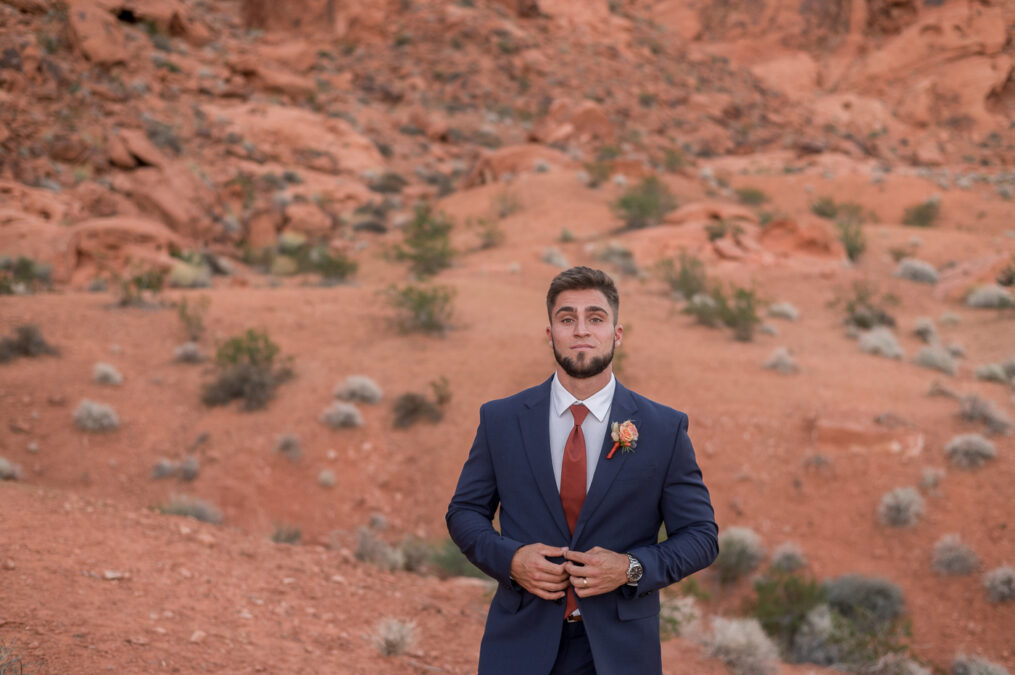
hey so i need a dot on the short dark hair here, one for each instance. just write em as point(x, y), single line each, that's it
point(580, 279)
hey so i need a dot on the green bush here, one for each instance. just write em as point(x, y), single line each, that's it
point(253, 348)
point(422, 309)
point(782, 602)
point(864, 310)
point(646, 204)
point(717, 229)
point(247, 371)
point(192, 316)
point(138, 284)
point(686, 277)
point(751, 196)
point(852, 238)
point(924, 214)
point(449, 561)
point(26, 341)
point(598, 172)
point(741, 315)
point(427, 242)
point(740, 552)
point(824, 207)
point(23, 275)
point(673, 160)
point(412, 407)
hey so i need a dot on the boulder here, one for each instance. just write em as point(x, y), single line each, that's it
point(306, 218)
point(514, 160)
point(173, 195)
point(113, 244)
point(96, 34)
point(811, 236)
point(568, 121)
point(709, 210)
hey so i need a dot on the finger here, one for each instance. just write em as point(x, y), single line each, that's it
point(582, 586)
point(556, 586)
point(550, 578)
point(550, 551)
point(577, 556)
point(575, 570)
point(546, 567)
point(547, 595)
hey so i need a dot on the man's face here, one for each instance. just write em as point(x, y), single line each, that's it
point(582, 332)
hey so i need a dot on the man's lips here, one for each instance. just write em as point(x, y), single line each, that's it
point(582, 347)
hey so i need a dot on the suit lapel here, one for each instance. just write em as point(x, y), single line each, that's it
point(622, 408)
point(534, 420)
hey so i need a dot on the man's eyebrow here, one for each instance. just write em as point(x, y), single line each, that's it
point(565, 308)
point(588, 310)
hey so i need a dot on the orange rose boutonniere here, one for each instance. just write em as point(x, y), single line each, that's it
point(624, 435)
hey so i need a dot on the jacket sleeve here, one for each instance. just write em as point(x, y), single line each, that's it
point(472, 508)
point(692, 534)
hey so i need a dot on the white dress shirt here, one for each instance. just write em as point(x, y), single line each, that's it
point(594, 427)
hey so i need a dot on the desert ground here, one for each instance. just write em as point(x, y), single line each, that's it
point(186, 171)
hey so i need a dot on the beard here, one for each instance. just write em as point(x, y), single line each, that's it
point(582, 368)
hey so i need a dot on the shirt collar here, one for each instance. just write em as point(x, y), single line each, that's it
point(598, 404)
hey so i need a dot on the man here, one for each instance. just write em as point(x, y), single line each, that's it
point(577, 559)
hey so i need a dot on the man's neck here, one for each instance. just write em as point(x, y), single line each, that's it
point(583, 387)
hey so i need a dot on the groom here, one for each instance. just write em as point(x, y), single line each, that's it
point(584, 471)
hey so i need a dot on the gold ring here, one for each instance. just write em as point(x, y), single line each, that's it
point(586, 580)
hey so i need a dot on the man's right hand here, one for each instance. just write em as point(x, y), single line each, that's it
point(536, 574)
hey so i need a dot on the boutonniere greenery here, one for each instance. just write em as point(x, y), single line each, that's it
point(624, 435)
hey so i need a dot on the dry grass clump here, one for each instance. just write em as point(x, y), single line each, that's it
point(93, 416)
point(106, 373)
point(936, 358)
point(339, 415)
point(740, 553)
point(972, 408)
point(970, 451)
point(192, 507)
point(952, 557)
point(869, 603)
point(924, 329)
point(783, 310)
point(9, 470)
point(188, 352)
point(916, 270)
point(359, 388)
point(247, 371)
point(394, 636)
point(743, 646)
point(880, 341)
point(1000, 584)
point(974, 665)
point(288, 445)
point(26, 341)
point(788, 557)
point(901, 507)
point(990, 296)
point(781, 361)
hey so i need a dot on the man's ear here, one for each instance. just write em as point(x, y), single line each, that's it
point(618, 334)
point(549, 336)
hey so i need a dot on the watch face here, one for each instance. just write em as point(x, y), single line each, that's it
point(634, 570)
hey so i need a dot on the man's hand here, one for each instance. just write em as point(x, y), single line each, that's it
point(536, 574)
point(596, 571)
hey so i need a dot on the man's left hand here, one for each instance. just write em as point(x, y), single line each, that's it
point(596, 571)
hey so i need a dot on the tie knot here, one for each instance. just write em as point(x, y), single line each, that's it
point(579, 411)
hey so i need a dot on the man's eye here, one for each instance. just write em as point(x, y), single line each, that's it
point(567, 320)
point(596, 319)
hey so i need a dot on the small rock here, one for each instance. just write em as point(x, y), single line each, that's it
point(113, 575)
point(8, 564)
point(198, 636)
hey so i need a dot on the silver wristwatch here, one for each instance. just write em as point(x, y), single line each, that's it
point(634, 570)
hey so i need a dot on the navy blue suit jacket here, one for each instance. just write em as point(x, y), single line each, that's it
point(631, 495)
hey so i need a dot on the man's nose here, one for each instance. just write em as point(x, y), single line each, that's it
point(581, 327)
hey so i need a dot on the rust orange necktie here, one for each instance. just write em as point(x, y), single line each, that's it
point(573, 475)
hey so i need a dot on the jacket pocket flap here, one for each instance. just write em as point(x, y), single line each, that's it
point(638, 607)
point(509, 600)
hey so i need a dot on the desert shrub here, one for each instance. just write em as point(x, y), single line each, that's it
point(991, 372)
point(880, 341)
point(924, 329)
point(246, 371)
point(717, 229)
point(287, 534)
point(743, 646)
point(597, 172)
point(972, 408)
point(782, 602)
point(677, 614)
point(646, 204)
point(506, 203)
point(620, 257)
point(138, 284)
point(339, 415)
point(930, 478)
point(289, 446)
point(393, 636)
point(185, 275)
point(422, 309)
point(740, 553)
point(974, 665)
point(388, 182)
point(901, 507)
point(92, 416)
point(788, 557)
point(865, 310)
point(412, 407)
point(1000, 584)
point(426, 243)
point(783, 310)
point(326, 478)
point(188, 352)
point(448, 561)
point(924, 214)
point(705, 308)
point(687, 277)
point(9, 470)
point(869, 603)
point(936, 358)
point(781, 361)
point(11, 662)
point(751, 196)
point(192, 507)
point(27, 341)
point(852, 238)
point(738, 312)
point(491, 234)
point(951, 557)
point(553, 256)
point(916, 270)
point(824, 207)
point(359, 388)
point(190, 467)
point(990, 296)
point(165, 468)
point(970, 451)
point(333, 266)
point(378, 552)
point(106, 373)
point(192, 316)
point(23, 275)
